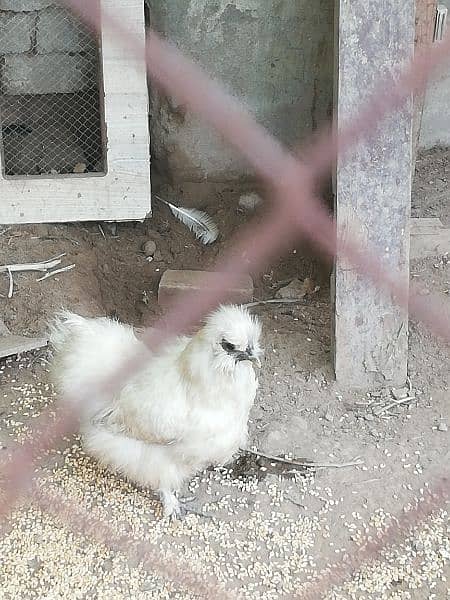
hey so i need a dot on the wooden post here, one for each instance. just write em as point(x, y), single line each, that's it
point(425, 21)
point(372, 194)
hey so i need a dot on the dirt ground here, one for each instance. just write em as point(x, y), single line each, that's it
point(264, 534)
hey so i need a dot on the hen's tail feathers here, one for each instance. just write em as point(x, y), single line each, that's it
point(61, 326)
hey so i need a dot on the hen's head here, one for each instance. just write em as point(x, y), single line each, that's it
point(235, 337)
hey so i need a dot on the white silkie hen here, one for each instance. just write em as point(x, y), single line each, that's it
point(186, 410)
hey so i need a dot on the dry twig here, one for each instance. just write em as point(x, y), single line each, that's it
point(11, 284)
point(304, 464)
point(38, 266)
point(55, 272)
point(393, 404)
point(273, 301)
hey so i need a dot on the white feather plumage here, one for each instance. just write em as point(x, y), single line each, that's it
point(201, 224)
point(186, 410)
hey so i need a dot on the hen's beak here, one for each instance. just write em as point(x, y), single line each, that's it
point(252, 358)
point(255, 359)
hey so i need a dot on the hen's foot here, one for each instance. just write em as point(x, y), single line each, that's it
point(177, 509)
point(171, 506)
point(188, 506)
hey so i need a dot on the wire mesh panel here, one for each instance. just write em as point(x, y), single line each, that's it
point(50, 101)
point(74, 114)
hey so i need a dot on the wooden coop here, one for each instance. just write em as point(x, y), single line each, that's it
point(74, 116)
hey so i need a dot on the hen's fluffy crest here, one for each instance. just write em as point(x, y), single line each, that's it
point(234, 322)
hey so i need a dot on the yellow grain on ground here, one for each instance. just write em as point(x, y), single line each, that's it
point(253, 539)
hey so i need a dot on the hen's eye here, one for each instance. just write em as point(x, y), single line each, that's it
point(227, 346)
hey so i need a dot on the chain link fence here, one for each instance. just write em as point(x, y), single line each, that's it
point(296, 211)
point(50, 103)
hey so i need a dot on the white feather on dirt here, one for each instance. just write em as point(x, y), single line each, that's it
point(200, 223)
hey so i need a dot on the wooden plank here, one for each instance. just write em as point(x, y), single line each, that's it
point(121, 74)
point(175, 283)
point(430, 245)
point(373, 192)
point(124, 192)
point(122, 195)
point(17, 344)
point(425, 225)
point(429, 238)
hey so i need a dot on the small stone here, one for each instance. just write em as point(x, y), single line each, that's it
point(369, 417)
point(442, 427)
point(400, 393)
point(149, 248)
point(294, 290)
point(249, 202)
point(158, 257)
point(329, 416)
point(297, 289)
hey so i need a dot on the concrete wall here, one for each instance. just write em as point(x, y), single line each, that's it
point(436, 115)
point(43, 49)
point(275, 55)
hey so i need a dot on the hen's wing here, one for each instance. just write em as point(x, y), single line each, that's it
point(111, 419)
point(153, 406)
